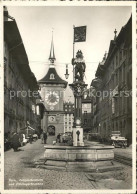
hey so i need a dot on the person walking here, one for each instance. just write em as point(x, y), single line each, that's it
point(24, 139)
point(45, 137)
point(58, 138)
point(30, 138)
point(15, 141)
point(41, 136)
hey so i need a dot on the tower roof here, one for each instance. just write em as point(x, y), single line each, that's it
point(52, 54)
point(52, 78)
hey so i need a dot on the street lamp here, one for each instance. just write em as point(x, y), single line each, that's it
point(66, 74)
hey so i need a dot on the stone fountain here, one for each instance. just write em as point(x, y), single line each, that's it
point(79, 157)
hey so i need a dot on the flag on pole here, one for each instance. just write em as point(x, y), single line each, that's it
point(80, 34)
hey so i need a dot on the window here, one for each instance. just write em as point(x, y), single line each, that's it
point(52, 76)
point(120, 75)
point(116, 79)
point(113, 106)
point(116, 60)
point(112, 65)
point(85, 121)
point(85, 112)
point(120, 55)
point(85, 105)
point(124, 72)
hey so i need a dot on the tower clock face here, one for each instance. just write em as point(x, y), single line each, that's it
point(52, 118)
point(52, 98)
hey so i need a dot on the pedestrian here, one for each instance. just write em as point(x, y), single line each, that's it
point(58, 138)
point(15, 141)
point(30, 138)
point(45, 137)
point(41, 136)
point(21, 139)
point(24, 139)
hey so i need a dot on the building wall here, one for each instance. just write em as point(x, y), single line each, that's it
point(86, 115)
point(18, 109)
point(55, 111)
point(58, 122)
point(114, 112)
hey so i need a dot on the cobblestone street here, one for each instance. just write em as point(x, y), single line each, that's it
point(21, 173)
point(19, 165)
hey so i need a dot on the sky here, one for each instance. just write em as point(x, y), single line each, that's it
point(36, 23)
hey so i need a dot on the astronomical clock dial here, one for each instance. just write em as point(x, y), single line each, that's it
point(52, 98)
point(52, 119)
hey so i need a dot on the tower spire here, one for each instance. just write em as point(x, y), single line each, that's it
point(115, 32)
point(52, 54)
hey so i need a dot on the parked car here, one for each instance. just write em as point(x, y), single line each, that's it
point(117, 140)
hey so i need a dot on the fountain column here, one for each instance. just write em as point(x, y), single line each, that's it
point(78, 87)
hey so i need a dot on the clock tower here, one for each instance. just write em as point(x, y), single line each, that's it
point(52, 89)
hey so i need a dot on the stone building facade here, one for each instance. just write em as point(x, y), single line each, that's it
point(87, 116)
point(52, 88)
point(113, 87)
point(20, 107)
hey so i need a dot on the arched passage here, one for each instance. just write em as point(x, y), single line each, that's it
point(51, 130)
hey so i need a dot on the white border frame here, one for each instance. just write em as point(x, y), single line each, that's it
point(72, 3)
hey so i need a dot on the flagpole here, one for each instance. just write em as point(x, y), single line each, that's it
point(73, 55)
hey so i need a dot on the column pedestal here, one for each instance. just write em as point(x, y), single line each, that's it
point(75, 136)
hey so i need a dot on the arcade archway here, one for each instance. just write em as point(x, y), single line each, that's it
point(51, 130)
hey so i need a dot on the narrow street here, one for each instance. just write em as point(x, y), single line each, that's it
point(20, 165)
point(22, 173)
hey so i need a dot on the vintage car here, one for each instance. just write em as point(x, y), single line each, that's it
point(65, 137)
point(117, 140)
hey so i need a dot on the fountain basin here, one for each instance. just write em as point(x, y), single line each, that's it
point(80, 158)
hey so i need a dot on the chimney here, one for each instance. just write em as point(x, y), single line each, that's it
point(5, 14)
